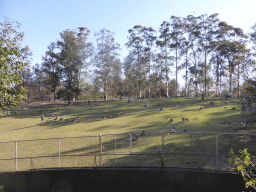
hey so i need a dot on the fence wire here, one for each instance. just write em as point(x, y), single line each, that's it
point(209, 151)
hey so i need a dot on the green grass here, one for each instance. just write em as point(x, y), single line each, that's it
point(134, 118)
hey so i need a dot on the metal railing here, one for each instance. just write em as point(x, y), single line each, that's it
point(206, 150)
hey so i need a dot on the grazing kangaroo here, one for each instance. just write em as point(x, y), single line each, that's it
point(133, 139)
point(75, 120)
point(184, 119)
point(136, 138)
point(116, 115)
point(57, 118)
point(140, 134)
point(173, 129)
point(161, 109)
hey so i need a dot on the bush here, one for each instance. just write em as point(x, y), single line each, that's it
point(245, 167)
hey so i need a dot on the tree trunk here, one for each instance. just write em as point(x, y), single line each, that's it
point(149, 83)
point(205, 75)
point(230, 77)
point(238, 86)
point(54, 94)
point(139, 76)
point(218, 81)
point(176, 73)
point(186, 74)
point(167, 94)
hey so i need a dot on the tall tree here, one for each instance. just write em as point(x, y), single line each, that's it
point(51, 67)
point(105, 57)
point(232, 52)
point(150, 38)
point(186, 64)
point(130, 76)
point(208, 25)
point(11, 66)
point(85, 54)
point(177, 39)
point(192, 31)
point(164, 43)
point(137, 44)
point(228, 37)
point(69, 61)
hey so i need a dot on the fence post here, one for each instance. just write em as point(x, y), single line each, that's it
point(59, 152)
point(146, 149)
point(245, 115)
point(163, 148)
point(130, 149)
point(100, 149)
point(16, 155)
point(115, 150)
point(217, 166)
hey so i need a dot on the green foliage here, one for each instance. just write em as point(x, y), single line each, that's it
point(11, 66)
point(108, 66)
point(244, 164)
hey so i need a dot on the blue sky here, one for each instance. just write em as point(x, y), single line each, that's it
point(43, 20)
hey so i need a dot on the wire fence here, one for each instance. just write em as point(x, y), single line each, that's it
point(248, 112)
point(200, 150)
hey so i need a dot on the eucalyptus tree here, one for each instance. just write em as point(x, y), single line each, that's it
point(69, 61)
point(105, 56)
point(163, 43)
point(252, 36)
point(129, 74)
point(227, 36)
point(177, 39)
point(51, 67)
point(85, 54)
point(26, 54)
point(186, 64)
point(239, 36)
point(192, 31)
point(139, 48)
point(232, 52)
point(150, 38)
point(208, 26)
point(12, 64)
point(39, 88)
point(250, 76)
point(157, 75)
point(222, 33)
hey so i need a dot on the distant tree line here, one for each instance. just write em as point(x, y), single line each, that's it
point(211, 55)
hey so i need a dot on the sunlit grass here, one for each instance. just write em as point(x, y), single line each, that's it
point(134, 118)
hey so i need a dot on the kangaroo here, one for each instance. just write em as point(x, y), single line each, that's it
point(116, 115)
point(184, 119)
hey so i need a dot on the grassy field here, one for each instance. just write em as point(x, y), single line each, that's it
point(133, 118)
